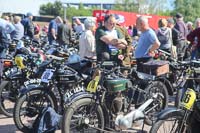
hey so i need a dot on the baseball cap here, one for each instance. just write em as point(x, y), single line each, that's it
point(29, 14)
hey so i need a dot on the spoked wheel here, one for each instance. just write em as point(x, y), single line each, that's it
point(29, 106)
point(7, 98)
point(172, 123)
point(83, 116)
point(160, 103)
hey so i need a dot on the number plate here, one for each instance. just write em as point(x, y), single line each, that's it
point(47, 75)
point(72, 92)
point(188, 99)
point(32, 81)
point(92, 86)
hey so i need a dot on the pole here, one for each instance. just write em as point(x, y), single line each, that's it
point(65, 11)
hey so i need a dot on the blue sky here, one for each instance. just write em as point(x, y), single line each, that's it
point(24, 6)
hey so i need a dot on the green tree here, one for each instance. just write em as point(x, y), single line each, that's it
point(158, 7)
point(81, 7)
point(126, 5)
point(57, 9)
point(54, 9)
point(189, 9)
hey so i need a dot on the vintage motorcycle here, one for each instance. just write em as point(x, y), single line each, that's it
point(114, 102)
point(58, 83)
point(185, 117)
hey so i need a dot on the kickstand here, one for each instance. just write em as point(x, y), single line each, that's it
point(143, 128)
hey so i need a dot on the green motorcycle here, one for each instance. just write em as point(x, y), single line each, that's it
point(110, 104)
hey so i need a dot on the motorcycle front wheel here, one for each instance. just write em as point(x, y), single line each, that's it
point(83, 116)
point(8, 96)
point(29, 106)
point(160, 103)
point(172, 123)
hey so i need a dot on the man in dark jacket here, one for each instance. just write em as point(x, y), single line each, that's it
point(194, 38)
point(3, 42)
point(28, 25)
point(181, 44)
point(64, 34)
point(175, 37)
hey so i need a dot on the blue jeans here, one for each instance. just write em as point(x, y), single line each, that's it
point(3, 53)
point(51, 40)
point(195, 54)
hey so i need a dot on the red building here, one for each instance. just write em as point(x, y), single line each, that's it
point(127, 18)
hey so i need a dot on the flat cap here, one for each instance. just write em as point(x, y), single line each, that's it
point(179, 15)
point(170, 20)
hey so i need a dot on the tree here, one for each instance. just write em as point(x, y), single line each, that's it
point(126, 5)
point(142, 6)
point(54, 9)
point(189, 9)
point(57, 9)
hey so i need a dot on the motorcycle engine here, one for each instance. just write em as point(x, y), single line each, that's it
point(117, 103)
point(114, 102)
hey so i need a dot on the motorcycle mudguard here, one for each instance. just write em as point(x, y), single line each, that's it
point(163, 114)
point(167, 83)
point(29, 88)
point(3, 83)
point(14, 76)
point(78, 96)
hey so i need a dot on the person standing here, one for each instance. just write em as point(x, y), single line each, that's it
point(109, 40)
point(182, 43)
point(19, 29)
point(194, 37)
point(6, 28)
point(125, 55)
point(130, 30)
point(135, 32)
point(175, 37)
point(52, 29)
point(87, 45)
point(64, 34)
point(79, 27)
point(147, 44)
point(189, 26)
point(28, 25)
point(164, 35)
point(3, 42)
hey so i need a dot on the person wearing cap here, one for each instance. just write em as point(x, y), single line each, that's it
point(53, 29)
point(64, 34)
point(182, 42)
point(28, 25)
point(175, 37)
point(147, 44)
point(109, 40)
point(87, 45)
point(125, 53)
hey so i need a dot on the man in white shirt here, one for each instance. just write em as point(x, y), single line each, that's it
point(87, 45)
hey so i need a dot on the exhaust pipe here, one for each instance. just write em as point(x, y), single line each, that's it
point(125, 122)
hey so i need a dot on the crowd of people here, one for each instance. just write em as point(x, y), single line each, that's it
point(111, 40)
